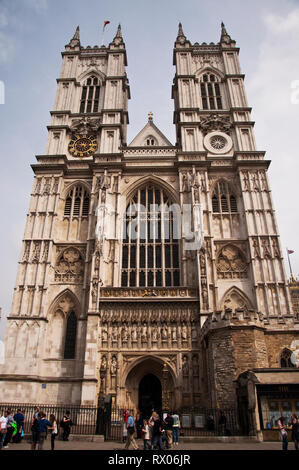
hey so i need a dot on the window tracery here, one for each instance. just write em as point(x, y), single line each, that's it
point(150, 254)
point(210, 91)
point(90, 95)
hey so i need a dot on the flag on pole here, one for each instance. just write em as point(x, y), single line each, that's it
point(102, 38)
point(290, 252)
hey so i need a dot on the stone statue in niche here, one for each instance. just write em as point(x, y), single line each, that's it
point(155, 334)
point(134, 333)
point(104, 363)
point(164, 332)
point(144, 332)
point(114, 333)
point(124, 334)
point(185, 366)
point(113, 367)
point(184, 333)
point(173, 334)
point(104, 333)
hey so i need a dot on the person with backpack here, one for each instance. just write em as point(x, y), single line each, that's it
point(42, 426)
point(66, 424)
point(19, 419)
point(131, 430)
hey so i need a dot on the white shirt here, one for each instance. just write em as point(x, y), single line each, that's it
point(3, 422)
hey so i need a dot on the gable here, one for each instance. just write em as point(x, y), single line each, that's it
point(150, 136)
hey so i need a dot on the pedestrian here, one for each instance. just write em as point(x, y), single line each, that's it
point(19, 419)
point(139, 425)
point(35, 430)
point(10, 429)
point(157, 428)
point(66, 424)
point(222, 423)
point(131, 430)
point(54, 432)
point(169, 429)
point(43, 426)
point(125, 431)
point(146, 435)
point(3, 428)
point(283, 434)
point(175, 428)
point(294, 422)
point(36, 411)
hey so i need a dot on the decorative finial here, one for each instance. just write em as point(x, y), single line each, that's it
point(150, 116)
point(225, 37)
point(75, 41)
point(181, 38)
point(77, 34)
point(118, 33)
point(118, 37)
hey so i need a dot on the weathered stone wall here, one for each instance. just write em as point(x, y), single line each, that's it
point(276, 342)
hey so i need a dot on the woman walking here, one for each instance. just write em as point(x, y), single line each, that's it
point(54, 432)
point(283, 434)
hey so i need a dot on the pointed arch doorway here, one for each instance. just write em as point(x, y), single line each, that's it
point(144, 385)
point(150, 395)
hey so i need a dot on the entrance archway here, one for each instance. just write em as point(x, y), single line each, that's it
point(150, 395)
point(144, 384)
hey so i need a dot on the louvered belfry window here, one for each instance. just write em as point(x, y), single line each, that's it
point(77, 202)
point(210, 92)
point(90, 96)
point(223, 201)
point(150, 251)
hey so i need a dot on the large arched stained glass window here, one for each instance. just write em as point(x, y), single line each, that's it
point(150, 254)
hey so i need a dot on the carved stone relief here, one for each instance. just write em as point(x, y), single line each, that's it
point(231, 263)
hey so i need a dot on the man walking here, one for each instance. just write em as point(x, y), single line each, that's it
point(130, 436)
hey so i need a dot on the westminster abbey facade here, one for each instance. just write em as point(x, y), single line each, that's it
point(152, 271)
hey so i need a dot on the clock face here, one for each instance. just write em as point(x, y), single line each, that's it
point(83, 146)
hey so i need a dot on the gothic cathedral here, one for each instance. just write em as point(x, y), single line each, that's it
point(113, 296)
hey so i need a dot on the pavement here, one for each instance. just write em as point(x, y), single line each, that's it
point(88, 445)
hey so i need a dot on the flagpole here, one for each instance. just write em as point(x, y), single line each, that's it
point(102, 38)
point(289, 263)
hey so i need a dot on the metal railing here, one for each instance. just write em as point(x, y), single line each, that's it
point(84, 418)
point(90, 420)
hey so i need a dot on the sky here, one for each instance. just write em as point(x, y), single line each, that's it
point(33, 33)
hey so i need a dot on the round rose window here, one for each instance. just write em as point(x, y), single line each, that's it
point(218, 142)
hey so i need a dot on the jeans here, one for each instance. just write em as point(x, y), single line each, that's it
point(147, 444)
point(175, 434)
point(53, 440)
point(285, 443)
point(41, 440)
point(2, 437)
point(8, 436)
point(157, 439)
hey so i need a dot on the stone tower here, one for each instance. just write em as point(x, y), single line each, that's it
point(150, 271)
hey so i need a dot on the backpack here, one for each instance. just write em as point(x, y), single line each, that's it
point(15, 427)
